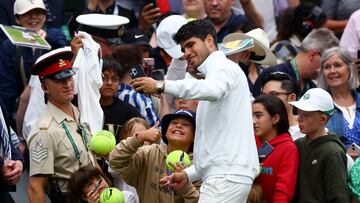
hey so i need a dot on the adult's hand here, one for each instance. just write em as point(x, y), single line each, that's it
point(12, 171)
point(252, 13)
point(76, 44)
point(175, 181)
point(149, 15)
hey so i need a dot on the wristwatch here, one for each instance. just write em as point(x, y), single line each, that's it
point(160, 85)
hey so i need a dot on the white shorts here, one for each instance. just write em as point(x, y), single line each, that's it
point(223, 189)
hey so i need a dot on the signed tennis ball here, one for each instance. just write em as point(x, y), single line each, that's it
point(111, 195)
point(102, 142)
point(176, 157)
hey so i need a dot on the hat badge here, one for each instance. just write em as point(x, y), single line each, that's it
point(306, 96)
point(62, 63)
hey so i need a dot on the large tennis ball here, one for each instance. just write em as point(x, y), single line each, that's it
point(176, 157)
point(102, 142)
point(111, 195)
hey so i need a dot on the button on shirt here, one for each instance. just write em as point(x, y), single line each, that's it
point(51, 151)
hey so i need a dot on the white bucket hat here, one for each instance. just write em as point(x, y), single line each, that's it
point(315, 99)
point(102, 21)
point(261, 48)
point(23, 6)
point(165, 33)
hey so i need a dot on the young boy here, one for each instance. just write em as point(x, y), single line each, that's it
point(143, 166)
point(322, 174)
point(116, 112)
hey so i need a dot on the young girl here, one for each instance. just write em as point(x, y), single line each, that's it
point(133, 126)
point(87, 183)
point(278, 155)
point(129, 129)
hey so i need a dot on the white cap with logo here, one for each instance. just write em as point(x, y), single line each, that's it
point(24, 6)
point(315, 99)
point(165, 33)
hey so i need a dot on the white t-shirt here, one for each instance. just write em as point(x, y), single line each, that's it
point(348, 113)
point(87, 67)
point(36, 105)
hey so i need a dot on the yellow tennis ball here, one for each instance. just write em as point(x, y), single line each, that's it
point(176, 157)
point(191, 19)
point(102, 142)
point(112, 195)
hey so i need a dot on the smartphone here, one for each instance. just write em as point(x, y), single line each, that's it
point(148, 64)
point(137, 72)
point(264, 151)
point(146, 2)
point(353, 150)
point(158, 74)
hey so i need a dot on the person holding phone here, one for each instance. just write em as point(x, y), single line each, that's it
point(224, 147)
point(278, 155)
point(130, 59)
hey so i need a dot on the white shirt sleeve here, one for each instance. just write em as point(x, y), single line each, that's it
point(176, 70)
point(192, 174)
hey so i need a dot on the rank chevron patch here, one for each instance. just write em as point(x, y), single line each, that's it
point(38, 155)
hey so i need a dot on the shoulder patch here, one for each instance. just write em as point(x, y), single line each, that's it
point(38, 152)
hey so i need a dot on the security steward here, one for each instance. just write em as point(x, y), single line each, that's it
point(58, 145)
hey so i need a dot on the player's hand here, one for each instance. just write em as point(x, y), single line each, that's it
point(175, 181)
point(145, 85)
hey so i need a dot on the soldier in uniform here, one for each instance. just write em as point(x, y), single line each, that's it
point(58, 144)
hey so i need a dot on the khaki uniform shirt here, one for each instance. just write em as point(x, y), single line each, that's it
point(51, 151)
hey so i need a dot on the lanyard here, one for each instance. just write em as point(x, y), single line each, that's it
point(84, 138)
point(293, 64)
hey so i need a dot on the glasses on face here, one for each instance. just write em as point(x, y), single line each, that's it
point(114, 79)
point(274, 93)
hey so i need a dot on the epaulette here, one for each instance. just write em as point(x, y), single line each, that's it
point(45, 121)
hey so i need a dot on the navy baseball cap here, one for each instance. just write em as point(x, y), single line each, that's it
point(190, 115)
